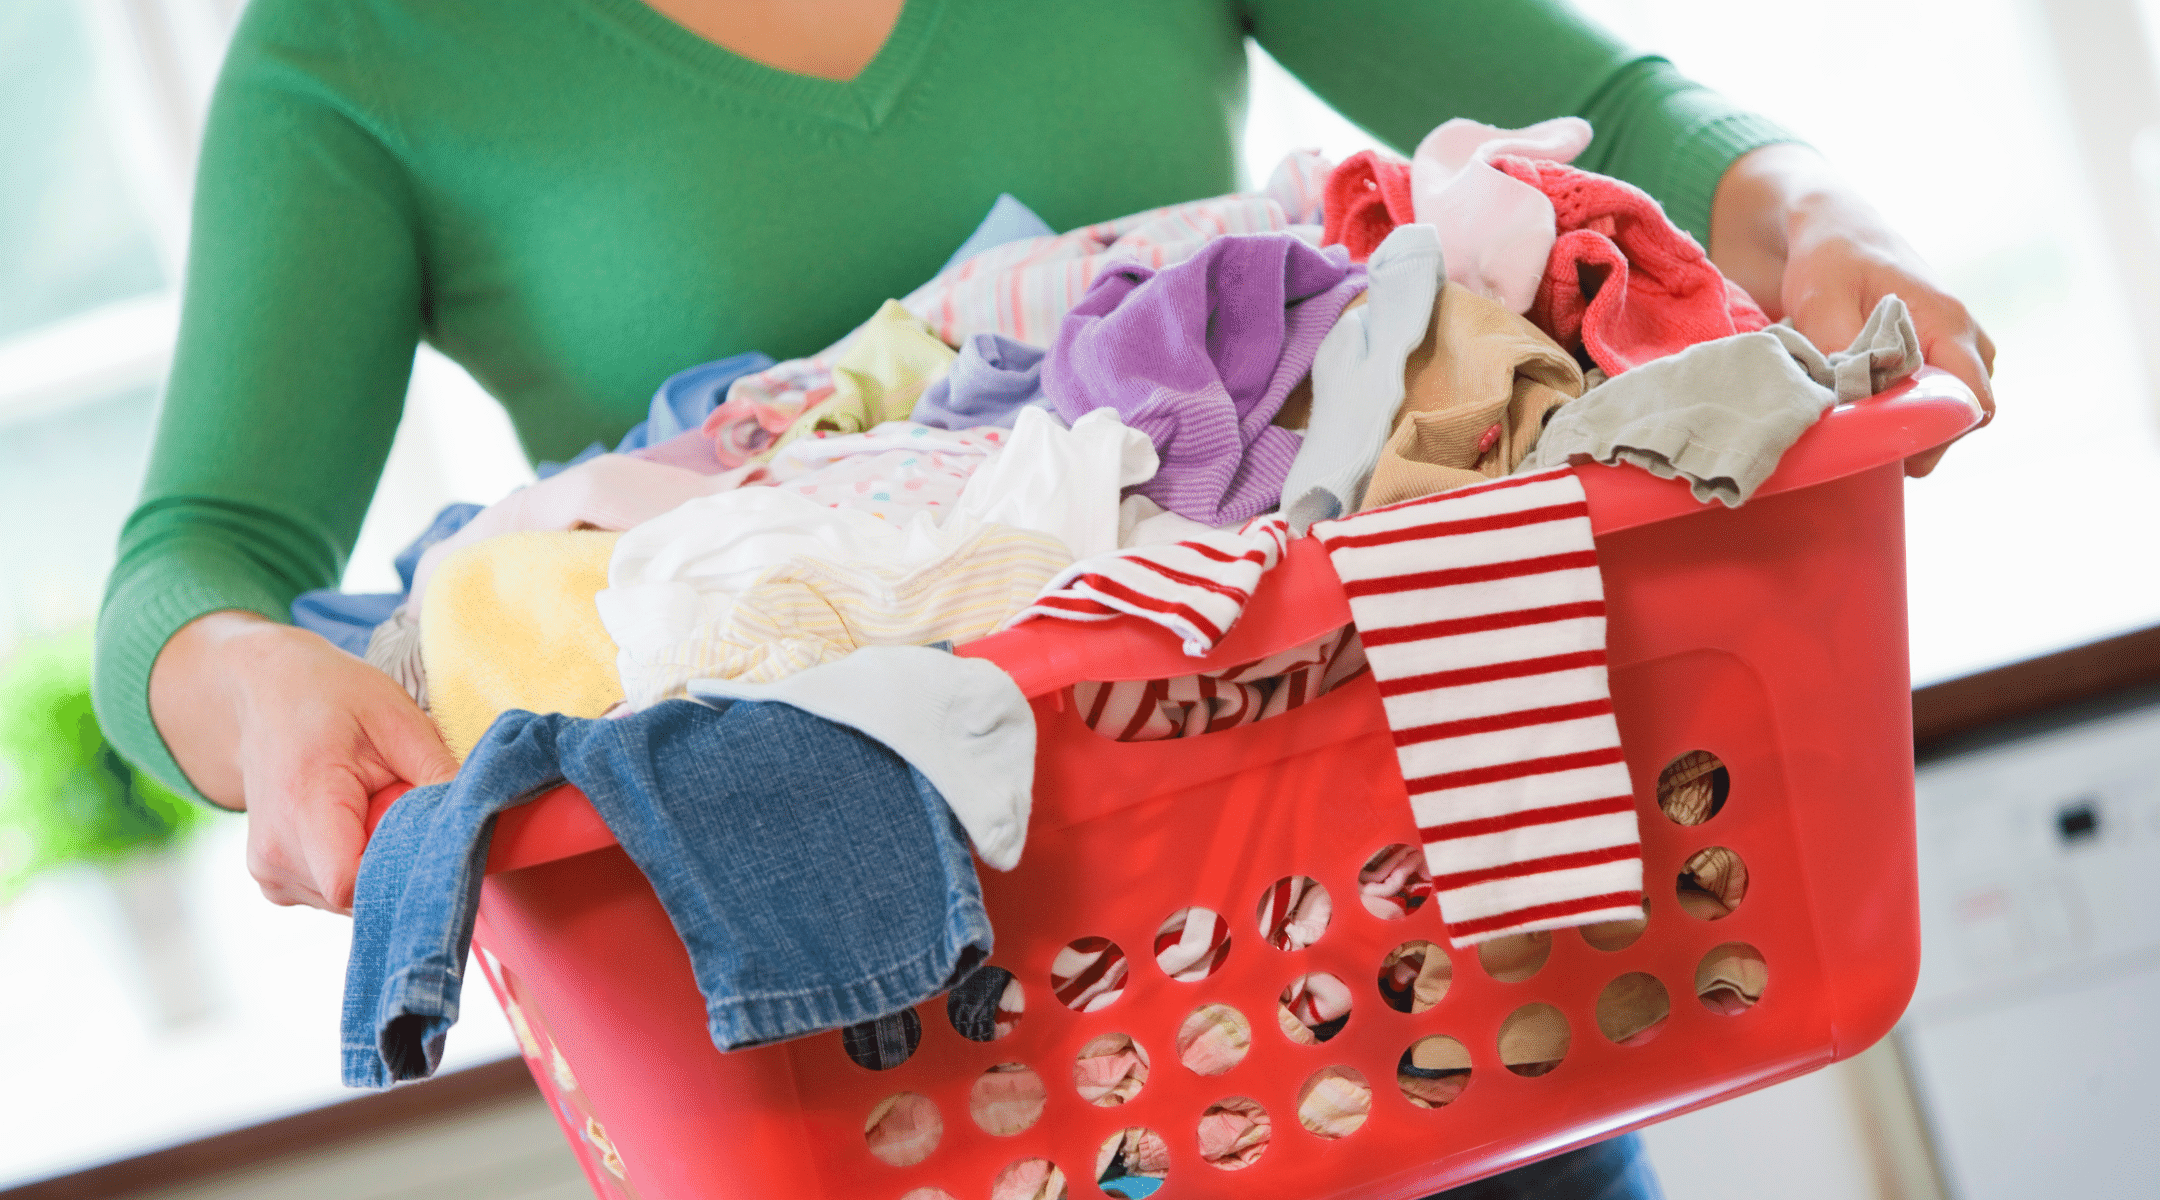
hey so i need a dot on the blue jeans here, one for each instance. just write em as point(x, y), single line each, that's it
point(1610, 1170)
point(817, 880)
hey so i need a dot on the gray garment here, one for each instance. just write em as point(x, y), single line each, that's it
point(1887, 350)
point(1722, 413)
point(962, 722)
point(394, 649)
point(1357, 378)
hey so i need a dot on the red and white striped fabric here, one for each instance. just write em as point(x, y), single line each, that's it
point(1088, 973)
point(1192, 943)
point(1196, 588)
point(1148, 710)
point(1483, 618)
point(1294, 912)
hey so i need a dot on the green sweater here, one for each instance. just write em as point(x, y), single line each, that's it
point(576, 198)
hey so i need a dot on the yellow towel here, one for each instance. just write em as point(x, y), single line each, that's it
point(877, 378)
point(509, 623)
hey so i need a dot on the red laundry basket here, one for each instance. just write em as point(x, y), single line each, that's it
point(1772, 636)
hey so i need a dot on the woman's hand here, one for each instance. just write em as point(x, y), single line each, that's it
point(1806, 246)
point(275, 720)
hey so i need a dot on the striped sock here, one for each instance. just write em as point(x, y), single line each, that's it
point(1483, 617)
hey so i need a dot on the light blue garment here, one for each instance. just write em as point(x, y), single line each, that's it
point(348, 620)
point(743, 816)
point(1007, 221)
point(549, 469)
point(687, 397)
point(992, 380)
point(1357, 378)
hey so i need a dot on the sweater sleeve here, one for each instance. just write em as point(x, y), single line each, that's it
point(301, 312)
point(1400, 67)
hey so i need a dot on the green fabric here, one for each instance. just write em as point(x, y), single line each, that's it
point(575, 198)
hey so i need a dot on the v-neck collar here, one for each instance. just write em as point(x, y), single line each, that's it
point(863, 102)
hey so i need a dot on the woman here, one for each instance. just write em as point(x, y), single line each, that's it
point(574, 198)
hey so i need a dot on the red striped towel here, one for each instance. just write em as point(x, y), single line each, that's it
point(1483, 618)
point(1196, 588)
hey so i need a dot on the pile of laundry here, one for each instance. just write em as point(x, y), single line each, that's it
point(747, 605)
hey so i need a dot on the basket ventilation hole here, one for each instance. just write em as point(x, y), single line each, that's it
point(1006, 1099)
point(1213, 1039)
point(1334, 1102)
point(1712, 884)
point(1394, 883)
point(1234, 1133)
point(987, 1005)
point(1611, 936)
point(1132, 1163)
point(1433, 1071)
point(1110, 1070)
point(1029, 1179)
point(1088, 974)
point(903, 1129)
point(1414, 976)
point(1730, 979)
point(1692, 788)
point(1293, 912)
point(1313, 1008)
point(885, 1043)
point(1515, 957)
point(1533, 1040)
point(1632, 1009)
point(1192, 943)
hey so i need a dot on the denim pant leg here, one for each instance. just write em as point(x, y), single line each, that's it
point(1617, 1169)
point(417, 895)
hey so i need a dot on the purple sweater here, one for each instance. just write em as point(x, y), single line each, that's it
point(1199, 356)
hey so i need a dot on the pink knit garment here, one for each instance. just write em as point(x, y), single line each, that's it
point(1624, 282)
point(1367, 196)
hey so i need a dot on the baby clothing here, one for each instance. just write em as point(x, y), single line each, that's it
point(989, 383)
point(1476, 393)
point(743, 816)
point(682, 401)
point(1007, 221)
point(1623, 282)
point(1722, 414)
point(1357, 378)
point(1060, 481)
point(878, 377)
point(510, 623)
point(962, 722)
point(1483, 617)
point(1496, 230)
point(893, 471)
point(1368, 195)
point(1199, 356)
point(612, 491)
point(1196, 588)
point(1147, 710)
point(760, 583)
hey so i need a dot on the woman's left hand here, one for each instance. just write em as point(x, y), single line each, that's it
point(1806, 246)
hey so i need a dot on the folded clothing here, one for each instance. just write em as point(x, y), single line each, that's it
point(509, 623)
point(1199, 356)
point(712, 803)
point(1477, 392)
point(1623, 282)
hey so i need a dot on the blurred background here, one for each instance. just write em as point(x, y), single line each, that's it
point(156, 998)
